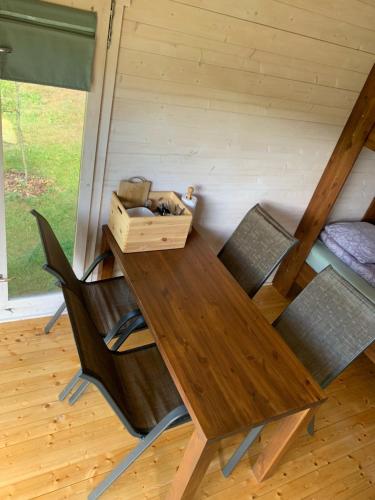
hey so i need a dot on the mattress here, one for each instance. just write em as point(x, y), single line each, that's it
point(366, 271)
point(320, 257)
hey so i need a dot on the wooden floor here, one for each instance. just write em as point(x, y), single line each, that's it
point(50, 450)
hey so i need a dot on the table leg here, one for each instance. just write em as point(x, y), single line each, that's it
point(197, 457)
point(106, 266)
point(280, 442)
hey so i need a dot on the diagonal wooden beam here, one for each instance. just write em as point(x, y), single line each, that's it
point(352, 139)
point(370, 213)
point(370, 143)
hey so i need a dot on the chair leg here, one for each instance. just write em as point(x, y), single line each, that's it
point(54, 318)
point(78, 393)
point(311, 427)
point(241, 450)
point(69, 386)
point(122, 466)
point(138, 450)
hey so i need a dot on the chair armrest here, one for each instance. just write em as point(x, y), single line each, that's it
point(135, 313)
point(94, 263)
point(135, 325)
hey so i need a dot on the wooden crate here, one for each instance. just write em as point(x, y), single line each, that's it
point(143, 234)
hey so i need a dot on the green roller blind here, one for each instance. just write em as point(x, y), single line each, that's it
point(47, 44)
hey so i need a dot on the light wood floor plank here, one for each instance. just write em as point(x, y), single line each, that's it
point(54, 381)
point(53, 451)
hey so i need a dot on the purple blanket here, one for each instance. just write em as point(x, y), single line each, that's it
point(366, 271)
point(357, 238)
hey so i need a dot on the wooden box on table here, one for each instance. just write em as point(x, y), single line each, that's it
point(143, 234)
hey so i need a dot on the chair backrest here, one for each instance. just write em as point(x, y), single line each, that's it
point(135, 382)
point(328, 325)
point(57, 263)
point(96, 359)
point(255, 248)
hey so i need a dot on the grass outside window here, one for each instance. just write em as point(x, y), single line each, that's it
point(42, 142)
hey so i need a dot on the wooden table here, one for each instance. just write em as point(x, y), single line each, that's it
point(232, 369)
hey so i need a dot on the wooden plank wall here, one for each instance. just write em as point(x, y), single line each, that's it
point(244, 98)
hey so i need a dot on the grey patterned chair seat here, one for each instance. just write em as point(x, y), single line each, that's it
point(255, 249)
point(327, 326)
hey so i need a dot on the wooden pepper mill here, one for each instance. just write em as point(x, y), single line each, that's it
point(190, 201)
point(190, 191)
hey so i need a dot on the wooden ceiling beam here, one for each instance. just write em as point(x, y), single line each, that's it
point(352, 139)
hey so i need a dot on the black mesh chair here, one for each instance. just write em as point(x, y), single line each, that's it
point(136, 383)
point(110, 302)
point(327, 326)
point(255, 249)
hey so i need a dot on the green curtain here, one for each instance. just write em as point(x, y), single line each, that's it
point(48, 44)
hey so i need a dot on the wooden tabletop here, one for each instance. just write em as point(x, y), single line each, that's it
point(232, 369)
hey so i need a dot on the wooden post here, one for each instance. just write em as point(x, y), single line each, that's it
point(370, 213)
point(370, 143)
point(106, 266)
point(197, 457)
point(370, 217)
point(280, 443)
point(353, 137)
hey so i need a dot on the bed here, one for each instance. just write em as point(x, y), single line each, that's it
point(320, 257)
point(349, 247)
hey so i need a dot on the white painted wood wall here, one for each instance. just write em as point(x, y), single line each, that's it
point(244, 99)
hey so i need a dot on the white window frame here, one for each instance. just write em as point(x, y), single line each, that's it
point(93, 162)
point(3, 250)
